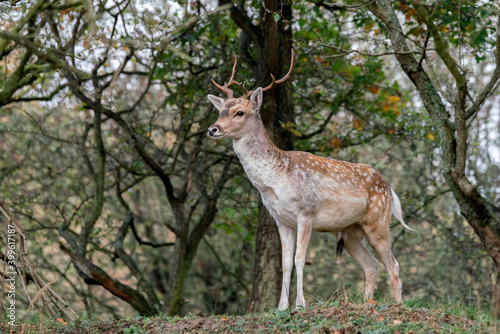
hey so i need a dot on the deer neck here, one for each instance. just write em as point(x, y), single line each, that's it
point(262, 161)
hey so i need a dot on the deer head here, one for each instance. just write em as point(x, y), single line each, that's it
point(234, 113)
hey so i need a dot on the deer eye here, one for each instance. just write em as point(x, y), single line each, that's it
point(240, 113)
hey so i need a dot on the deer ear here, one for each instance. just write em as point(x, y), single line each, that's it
point(216, 101)
point(256, 99)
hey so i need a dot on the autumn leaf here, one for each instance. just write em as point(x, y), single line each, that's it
point(292, 127)
point(397, 322)
point(430, 136)
point(357, 124)
point(61, 320)
point(391, 103)
point(393, 99)
point(379, 318)
point(224, 318)
point(409, 14)
point(419, 31)
point(336, 142)
point(371, 301)
point(443, 29)
point(374, 89)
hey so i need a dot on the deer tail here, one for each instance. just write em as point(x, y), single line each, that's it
point(397, 212)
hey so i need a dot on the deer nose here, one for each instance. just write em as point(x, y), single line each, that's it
point(214, 130)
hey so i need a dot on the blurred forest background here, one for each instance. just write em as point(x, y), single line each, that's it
point(129, 208)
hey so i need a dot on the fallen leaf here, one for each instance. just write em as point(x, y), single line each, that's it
point(397, 322)
point(371, 301)
point(379, 318)
point(61, 320)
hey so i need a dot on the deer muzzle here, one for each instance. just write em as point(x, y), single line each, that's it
point(215, 131)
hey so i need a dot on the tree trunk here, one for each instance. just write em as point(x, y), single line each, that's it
point(176, 295)
point(186, 245)
point(277, 110)
point(267, 265)
point(495, 302)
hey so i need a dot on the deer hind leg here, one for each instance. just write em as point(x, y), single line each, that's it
point(377, 234)
point(353, 244)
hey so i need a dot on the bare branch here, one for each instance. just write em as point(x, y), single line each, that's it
point(93, 274)
point(378, 54)
point(129, 262)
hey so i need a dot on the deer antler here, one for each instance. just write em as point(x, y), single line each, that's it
point(247, 94)
point(274, 81)
point(225, 88)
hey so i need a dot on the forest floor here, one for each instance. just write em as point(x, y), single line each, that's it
point(340, 318)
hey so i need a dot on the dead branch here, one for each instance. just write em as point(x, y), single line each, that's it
point(26, 271)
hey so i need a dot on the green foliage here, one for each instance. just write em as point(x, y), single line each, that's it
point(460, 23)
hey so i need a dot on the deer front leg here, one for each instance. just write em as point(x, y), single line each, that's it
point(287, 237)
point(304, 227)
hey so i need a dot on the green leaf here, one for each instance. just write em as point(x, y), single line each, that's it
point(276, 17)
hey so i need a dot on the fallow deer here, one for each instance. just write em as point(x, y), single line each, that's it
point(305, 192)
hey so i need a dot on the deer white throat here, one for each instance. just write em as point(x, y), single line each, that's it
point(262, 161)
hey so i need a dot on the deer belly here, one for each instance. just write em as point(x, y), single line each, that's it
point(329, 216)
point(336, 216)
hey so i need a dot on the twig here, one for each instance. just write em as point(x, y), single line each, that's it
point(346, 52)
point(424, 49)
point(26, 271)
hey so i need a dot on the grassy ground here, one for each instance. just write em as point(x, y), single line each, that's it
point(412, 316)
